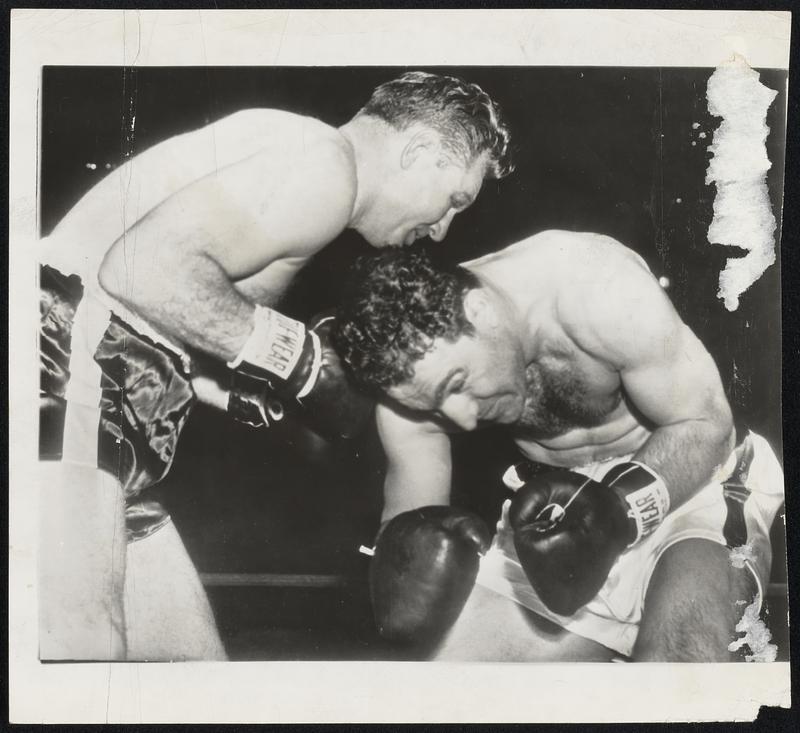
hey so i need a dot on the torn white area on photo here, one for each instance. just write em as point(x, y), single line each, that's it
point(755, 635)
point(742, 210)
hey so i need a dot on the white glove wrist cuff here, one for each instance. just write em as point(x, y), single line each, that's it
point(316, 365)
point(649, 505)
point(275, 344)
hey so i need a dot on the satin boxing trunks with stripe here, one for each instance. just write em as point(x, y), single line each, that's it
point(112, 395)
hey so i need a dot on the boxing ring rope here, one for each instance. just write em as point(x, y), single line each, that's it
point(277, 580)
point(290, 580)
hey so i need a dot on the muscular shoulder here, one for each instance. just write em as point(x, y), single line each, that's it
point(313, 172)
point(581, 253)
point(277, 130)
point(556, 250)
point(612, 305)
point(292, 194)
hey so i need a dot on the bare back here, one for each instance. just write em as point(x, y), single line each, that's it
point(235, 183)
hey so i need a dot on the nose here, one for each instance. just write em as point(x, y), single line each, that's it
point(439, 230)
point(461, 410)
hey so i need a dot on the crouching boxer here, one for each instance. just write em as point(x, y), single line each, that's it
point(178, 260)
point(640, 524)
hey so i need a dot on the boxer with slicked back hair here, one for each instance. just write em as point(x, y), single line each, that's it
point(172, 295)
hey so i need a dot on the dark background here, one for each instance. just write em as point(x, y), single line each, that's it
point(609, 150)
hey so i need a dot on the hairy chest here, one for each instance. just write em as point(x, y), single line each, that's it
point(567, 391)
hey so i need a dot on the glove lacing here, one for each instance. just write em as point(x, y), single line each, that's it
point(557, 512)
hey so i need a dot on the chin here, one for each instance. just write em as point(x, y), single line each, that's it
point(382, 242)
point(375, 239)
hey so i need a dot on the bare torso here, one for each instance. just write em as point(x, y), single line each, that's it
point(230, 180)
point(576, 411)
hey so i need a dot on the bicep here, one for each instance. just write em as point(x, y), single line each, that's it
point(677, 381)
point(666, 371)
point(419, 468)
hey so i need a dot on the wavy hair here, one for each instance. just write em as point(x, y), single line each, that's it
point(466, 117)
point(396, 304)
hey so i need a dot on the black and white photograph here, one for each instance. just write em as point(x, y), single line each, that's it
point(360, 369)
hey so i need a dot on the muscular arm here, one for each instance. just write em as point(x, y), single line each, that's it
point(419, 467)
point(666, 372)
point(177, 266)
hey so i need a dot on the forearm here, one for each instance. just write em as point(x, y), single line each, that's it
point(210, 392)
point(407, 490)
point(687, 454)
point(188, 298)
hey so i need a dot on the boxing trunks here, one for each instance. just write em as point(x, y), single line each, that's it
point(734, 513)
point(111, 395)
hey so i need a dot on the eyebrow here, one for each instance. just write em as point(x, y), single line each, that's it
point(438, 394)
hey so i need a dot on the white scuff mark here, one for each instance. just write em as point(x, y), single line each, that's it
point(744, 553)
point(742, 213)
point(756, 636)
point(695, 125)
point(92, 166)
point(701, 135)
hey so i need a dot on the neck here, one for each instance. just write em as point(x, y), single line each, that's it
point(368, 138)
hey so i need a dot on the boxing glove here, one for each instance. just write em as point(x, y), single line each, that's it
point(283, 362)
point(569, 530)
point(423, 570)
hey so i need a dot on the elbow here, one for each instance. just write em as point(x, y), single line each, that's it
point(133, 281)
point(108, 278)
point(723, 427)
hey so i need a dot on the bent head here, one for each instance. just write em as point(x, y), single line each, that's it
point(443, 137)
point(433, 339)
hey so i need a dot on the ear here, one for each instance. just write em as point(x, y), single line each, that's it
point(478, 310)
point(422, 143)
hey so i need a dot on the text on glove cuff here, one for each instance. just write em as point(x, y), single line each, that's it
point(644, 492)
point(275, 343)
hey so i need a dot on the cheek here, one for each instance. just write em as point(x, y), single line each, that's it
point(509, 374)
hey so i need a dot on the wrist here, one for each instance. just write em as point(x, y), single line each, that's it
point(643, 497)
point(210, 392)
point(280, 352)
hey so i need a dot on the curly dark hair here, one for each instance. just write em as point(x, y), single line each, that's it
point(465, 116)
point(396, 304)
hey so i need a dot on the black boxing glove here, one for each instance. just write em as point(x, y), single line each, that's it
point(423, 571)
point(569, 530)
point(295, 364)
point(250, 402)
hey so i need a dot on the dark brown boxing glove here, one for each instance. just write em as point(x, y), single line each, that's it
point(423, 571)
point(284, 362)
point(569, 530)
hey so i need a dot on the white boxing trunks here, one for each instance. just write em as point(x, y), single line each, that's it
point(612, 618)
